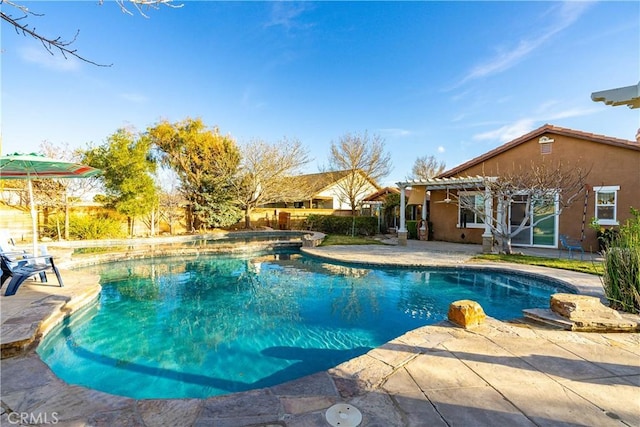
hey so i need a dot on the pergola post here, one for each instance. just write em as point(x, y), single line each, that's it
point(402, 231)
point(423, 231)
point(487, 236)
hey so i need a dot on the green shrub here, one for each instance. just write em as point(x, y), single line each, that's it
point(333, 224)
point(87, 227)
point(621, 279)
point(606, 236)
point(412, 229)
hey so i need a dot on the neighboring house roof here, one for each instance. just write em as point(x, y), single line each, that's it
point(547, 128)
point(318, 182)
point(315, 183)
point(383, 192)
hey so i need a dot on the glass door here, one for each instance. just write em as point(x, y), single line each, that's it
point(517, 214)
point(544, 220)
point(540, 228)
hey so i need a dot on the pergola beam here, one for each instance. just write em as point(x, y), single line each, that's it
point(628, 95)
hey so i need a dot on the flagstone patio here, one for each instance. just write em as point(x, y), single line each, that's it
point(498, 373)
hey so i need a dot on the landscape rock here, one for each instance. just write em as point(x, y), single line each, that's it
point(589, 314)
point(466, 313)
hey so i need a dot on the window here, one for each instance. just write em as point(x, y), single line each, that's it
point(471, 210)
point(606, 204)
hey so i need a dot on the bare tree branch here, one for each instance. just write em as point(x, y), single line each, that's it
point(426, 167)
point(544, 189)
point(366, 161)
point(265, 172)
point(58, 44)
point(140, 4)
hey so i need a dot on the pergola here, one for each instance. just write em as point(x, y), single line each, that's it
point(628, 95)
point(454, 183)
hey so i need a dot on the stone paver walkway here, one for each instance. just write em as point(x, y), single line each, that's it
point(498, 374)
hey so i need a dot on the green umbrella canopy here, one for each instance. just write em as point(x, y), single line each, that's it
point(34, 166)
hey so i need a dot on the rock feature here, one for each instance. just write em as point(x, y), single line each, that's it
point(312, 240)
point(466, 313)
point(588, 314)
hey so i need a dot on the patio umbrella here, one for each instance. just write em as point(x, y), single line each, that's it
point(34, 166)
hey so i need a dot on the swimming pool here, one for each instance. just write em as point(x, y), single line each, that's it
point(208, 325)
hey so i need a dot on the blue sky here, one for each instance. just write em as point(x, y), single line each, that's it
point(448, 79)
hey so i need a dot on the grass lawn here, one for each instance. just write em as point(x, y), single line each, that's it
point(336, 239)
point(564, 264)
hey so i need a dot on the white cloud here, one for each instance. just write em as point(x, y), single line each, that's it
point(136, 98)
point(507, 132)
point(40, 56)
point(459, 117)
point(395, 132)
point(250, 100)
point(286, 14)
point(441, 149)
point(559, 18)
point(572, 112)
point(553, 110)
point(547, 112)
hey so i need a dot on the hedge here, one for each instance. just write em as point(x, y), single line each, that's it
point(332, 224)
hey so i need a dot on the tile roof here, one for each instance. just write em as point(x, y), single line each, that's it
point(547, 128)
point(315, 183)
point(383, 192)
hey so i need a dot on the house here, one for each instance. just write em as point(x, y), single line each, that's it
point(610, 189)
point(372, 204)
point(329, 190)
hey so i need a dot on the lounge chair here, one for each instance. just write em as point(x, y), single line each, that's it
point(19, 267)
point(7, 244)
point(571, 245)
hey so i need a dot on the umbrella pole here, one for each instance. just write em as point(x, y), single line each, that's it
point(34, 218)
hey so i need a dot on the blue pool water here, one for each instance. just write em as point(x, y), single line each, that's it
point(204, 326)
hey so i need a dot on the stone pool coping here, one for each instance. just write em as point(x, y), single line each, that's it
point(436, 375)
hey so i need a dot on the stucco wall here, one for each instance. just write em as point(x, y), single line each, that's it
point(609, 166)
point(339, 202)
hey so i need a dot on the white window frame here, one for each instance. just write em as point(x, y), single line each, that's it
point(607, 189)
point(478, 201)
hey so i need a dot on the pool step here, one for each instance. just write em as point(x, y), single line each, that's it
point(524, 322)
point(548, 318)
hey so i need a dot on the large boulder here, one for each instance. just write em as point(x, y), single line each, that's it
point(466, 313)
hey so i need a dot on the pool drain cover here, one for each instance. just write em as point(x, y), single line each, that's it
point(343, 415)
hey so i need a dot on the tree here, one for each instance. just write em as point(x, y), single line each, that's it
point(171, 201)
point(264, 172)
point(127, 168)
point(536, 191)
point(365, 160)
point(58, 44)
point(61, 193)
point(391, 207)
point(206, 163)
point(426, 167)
